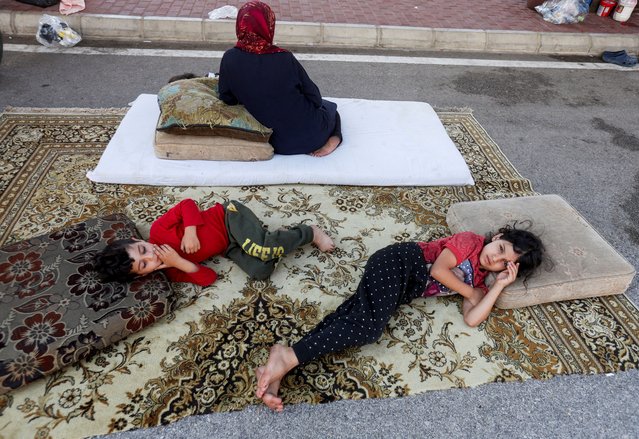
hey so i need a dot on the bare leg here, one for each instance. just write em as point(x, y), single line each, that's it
point(281, 360)
point(270, 398)
point(331, 145)
point(322, 240)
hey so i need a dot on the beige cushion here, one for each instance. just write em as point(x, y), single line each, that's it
point(585, 264)
point(185, 147)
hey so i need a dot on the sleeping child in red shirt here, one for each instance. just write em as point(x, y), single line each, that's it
point(185, 236)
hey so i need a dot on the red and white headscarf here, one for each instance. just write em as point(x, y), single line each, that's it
point(255, 28)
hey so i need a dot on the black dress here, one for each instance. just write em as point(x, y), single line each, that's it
point(277, 91)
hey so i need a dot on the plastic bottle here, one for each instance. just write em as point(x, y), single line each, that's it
point(624, 10)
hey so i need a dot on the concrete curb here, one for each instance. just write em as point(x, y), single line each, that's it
point(168, 29)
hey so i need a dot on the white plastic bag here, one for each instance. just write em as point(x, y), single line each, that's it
point(223, 12)
point(53, 32)
point(564, 11)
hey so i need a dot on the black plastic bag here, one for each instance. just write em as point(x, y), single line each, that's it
point(41, 3)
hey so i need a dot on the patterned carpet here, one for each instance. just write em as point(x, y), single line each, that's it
point(200, 359)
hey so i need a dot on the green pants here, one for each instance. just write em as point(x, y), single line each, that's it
point(255, 249)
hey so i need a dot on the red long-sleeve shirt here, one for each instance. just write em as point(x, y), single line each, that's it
point(211, 232)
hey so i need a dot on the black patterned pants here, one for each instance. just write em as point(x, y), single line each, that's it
point(393, 276)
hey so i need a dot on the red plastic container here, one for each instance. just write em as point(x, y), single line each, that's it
point(606, 7)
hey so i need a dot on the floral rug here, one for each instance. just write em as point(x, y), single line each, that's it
point(201, 357)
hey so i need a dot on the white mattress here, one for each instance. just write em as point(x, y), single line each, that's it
point(386, 143)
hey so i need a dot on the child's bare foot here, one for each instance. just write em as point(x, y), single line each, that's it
point(322, 240)
point(281, 360)
point(331, 145)
point(270, 398)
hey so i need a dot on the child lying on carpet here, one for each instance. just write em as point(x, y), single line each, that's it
point(185, 236)
point(399, 273)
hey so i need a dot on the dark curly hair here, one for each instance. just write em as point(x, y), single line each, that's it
point(182, 76)
point(114, 263)
point(525, 243)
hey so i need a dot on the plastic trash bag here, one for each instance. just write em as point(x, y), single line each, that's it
point(564, 11)
point(41, 3)
point(53, 32)
point(223, 12)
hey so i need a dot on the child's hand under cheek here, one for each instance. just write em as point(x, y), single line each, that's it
point(508, 276)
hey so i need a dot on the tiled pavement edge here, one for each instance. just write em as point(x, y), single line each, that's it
point(189, 29)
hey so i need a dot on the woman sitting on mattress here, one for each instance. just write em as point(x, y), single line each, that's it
point(275, 88)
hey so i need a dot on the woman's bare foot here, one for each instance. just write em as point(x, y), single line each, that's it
point(331, 145)
point(270, 398)
point(281, 360)
point(322, 240)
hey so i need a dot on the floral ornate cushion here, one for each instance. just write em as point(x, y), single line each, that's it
point(192, 106)
point(585, 265)
point(54, 309)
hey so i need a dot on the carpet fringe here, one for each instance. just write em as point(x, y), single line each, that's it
point(467, 110)
point(65, 111)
